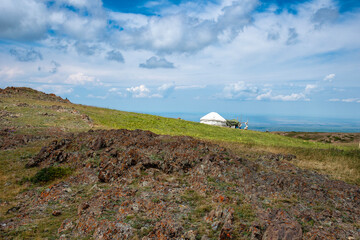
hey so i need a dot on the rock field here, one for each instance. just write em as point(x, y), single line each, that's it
point(140, 185)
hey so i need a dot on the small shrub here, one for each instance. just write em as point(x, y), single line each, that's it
point(49, 174)
point(155, 200)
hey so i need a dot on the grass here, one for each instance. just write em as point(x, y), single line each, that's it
point(48, 174)
point(37, 117)
point(12, 171)
point(114, 119)
point(340, 162)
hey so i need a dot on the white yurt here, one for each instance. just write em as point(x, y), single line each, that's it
point(213, 118)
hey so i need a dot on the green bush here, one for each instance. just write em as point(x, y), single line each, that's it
point(49, 174)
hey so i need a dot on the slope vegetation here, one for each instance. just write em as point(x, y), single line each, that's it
point(78, 172)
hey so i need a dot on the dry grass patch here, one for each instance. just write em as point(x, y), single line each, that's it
point(339, 163)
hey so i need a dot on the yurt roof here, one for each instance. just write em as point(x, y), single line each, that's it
point(213, 116)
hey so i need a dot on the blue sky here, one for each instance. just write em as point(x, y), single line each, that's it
point(252, 57)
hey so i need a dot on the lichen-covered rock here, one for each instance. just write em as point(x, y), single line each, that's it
point(283, 227)
point(140, 185)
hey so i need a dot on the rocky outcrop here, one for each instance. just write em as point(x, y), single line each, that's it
point(283, 227)
point(140, 185)
point(31, 93)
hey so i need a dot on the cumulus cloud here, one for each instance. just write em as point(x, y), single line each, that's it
point(155, 62)
point(245, 91)
point(34, 19)
point(9, 73)
point(300, 96)
point(143, 92)
point(234, 33)
point(115, 55)
point(139, 92)
point(26, 55)
point(238, 90)
point(310, 87)
point(280, 97)
point(24, 20)
point(329, 78)
point(82, 79)
point(180, 32)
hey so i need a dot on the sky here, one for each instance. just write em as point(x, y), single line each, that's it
point(249, 57)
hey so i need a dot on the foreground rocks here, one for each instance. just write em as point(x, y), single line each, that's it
point(139, 185)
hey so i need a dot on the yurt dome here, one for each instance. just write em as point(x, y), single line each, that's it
point(213, 118)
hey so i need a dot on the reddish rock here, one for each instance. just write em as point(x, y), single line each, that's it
point(283, 227)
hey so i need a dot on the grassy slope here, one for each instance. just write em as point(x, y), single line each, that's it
point(118, 119)
point(341, 162)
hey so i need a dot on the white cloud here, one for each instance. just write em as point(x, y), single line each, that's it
point(113, 89)
point(23, 19)
point(9, 73)
point(329, 78)
point(264, 96)
point(291, 97)
point(350, 99)
point(238, 90)
point(347, 100)
point(280, 97)
point(142, 91)
point(180, 32)
point(213, 42)
point(82, 79)
point(139, 92)
point(310, 87)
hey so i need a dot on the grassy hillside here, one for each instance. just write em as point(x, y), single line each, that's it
point(33, 112)
point(106, 118)
point(341, 162)
point(30, 120)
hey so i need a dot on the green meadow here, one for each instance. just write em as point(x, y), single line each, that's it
point(340, 162)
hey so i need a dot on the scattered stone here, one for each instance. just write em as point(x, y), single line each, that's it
point(56, 213)
point(137, 184)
